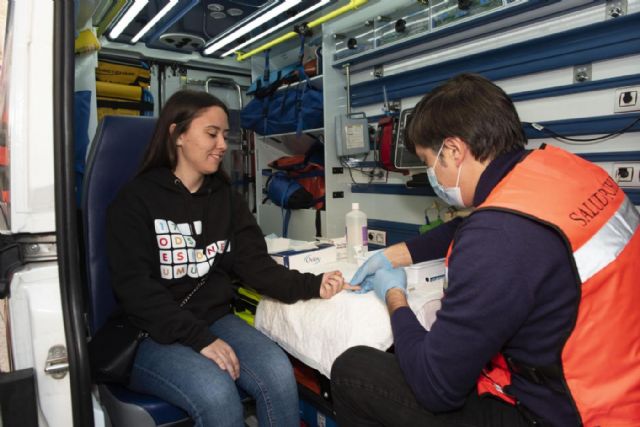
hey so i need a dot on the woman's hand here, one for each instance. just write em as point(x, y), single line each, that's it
point(332, 283)
point(223, 355)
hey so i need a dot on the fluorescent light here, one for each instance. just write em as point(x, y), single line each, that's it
point(126, 19)
point(277, 27)
point(154, 20)
point(283, 7)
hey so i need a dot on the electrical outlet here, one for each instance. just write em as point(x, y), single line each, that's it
point(627, 99)
point(377, 237)
point(627, 174)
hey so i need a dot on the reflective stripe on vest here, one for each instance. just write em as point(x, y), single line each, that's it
point(608, 242)
point(601, 357)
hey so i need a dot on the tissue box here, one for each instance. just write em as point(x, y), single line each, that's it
point(302, 260)
point(425, 272)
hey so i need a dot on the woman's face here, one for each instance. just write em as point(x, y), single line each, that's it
point(202, 146)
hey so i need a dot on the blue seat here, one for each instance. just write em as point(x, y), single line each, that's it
point(114, 158)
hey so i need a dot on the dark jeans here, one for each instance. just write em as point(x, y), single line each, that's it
point(369, 389)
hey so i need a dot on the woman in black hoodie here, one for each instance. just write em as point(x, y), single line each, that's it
point(179, 225)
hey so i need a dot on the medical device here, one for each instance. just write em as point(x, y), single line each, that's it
point(403, 158)
point(352, 134)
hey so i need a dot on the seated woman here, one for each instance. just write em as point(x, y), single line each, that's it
point(176, 234)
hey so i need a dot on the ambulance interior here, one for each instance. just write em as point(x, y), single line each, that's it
point(570, 66)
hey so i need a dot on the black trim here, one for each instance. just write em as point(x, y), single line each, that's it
point(541, 375)
point(18, 398)
point(400, 189)
point(10, 260)
point(65, 209)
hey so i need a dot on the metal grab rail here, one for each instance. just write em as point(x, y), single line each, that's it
point(353, 4)
point(247, 175)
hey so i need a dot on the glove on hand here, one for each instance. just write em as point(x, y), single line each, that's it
point(368, 269)
point(384, 280)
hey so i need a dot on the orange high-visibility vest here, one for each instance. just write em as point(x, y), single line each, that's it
point(600, 360)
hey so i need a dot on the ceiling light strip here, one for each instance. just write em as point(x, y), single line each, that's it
point(154, 20)
point(126, 19)
point(277, 27)
point(262, 19)
point(262, 10)
point(162, 28)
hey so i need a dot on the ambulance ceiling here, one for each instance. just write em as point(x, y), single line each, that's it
point(212, 27)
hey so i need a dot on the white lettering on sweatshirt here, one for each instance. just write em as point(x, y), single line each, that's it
point(178, 253)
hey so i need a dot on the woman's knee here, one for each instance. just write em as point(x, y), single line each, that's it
point(277, 373)
point(221, 407)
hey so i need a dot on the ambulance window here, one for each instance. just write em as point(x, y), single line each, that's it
point(5, 58)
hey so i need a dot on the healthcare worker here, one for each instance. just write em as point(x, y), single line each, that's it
point(539, 321)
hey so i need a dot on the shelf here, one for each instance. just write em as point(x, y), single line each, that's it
point(294, 134)
point(316, 82)
point(395, 189)
point(292, 143)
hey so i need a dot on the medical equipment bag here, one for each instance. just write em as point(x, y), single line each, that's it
point(284, 110)
point(298, 183)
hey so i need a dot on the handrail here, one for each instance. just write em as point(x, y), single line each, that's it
point(353, 4)
point(228, 82)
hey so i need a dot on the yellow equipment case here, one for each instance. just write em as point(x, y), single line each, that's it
point(122, 88)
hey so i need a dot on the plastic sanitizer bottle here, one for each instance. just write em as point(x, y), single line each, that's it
point(356, 222)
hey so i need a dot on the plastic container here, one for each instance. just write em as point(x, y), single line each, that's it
point(425, 272)
point(356, 222)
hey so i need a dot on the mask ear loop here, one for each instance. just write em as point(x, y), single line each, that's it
point(458, 179)
point(437, 157)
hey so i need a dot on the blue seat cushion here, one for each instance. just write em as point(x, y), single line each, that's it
point(162, 412)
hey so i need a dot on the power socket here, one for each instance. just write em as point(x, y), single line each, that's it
point(627, 99)
point(377, 237)
point(627, 174)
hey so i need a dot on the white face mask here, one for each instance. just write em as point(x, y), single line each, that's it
point(451, 195)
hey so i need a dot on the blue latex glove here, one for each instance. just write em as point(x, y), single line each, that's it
point(368, 269)
point(384, 280)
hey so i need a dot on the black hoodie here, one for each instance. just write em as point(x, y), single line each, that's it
point(161, 238)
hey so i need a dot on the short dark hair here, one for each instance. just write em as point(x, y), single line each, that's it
point(472, 108)
point(181, 108)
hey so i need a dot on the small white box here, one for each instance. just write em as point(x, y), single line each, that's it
point(425, 272)
point(341, 247)
point(339, 242)
point(302, 260)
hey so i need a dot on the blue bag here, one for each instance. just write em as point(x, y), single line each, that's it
point(287, 193)
point(287, 110)
point(298, 183)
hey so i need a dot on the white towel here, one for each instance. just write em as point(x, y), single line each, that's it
point(317, 331)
